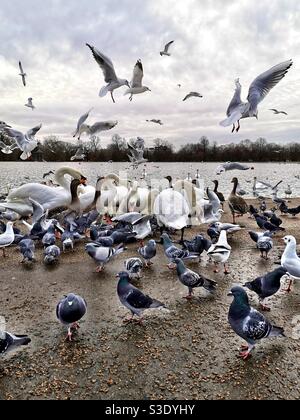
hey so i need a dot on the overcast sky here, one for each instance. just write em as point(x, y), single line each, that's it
point(216, 41)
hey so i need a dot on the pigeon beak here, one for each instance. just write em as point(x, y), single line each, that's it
point(230, 294)
point(117, 276)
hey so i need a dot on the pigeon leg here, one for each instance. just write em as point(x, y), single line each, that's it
point(289, 289)
point(216, 270)
point(76, 326)
point(128, 321)
point(171, 266)
point(189, 296)
point(244, 347)
point(112, 97)
point(226, 270)
point(142, 244)
point(182, 235)
point(69, 335)
point(99, 269)
point(245, 355)
point(264, 307)
point(4, 253)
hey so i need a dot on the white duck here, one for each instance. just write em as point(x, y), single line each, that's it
point(220, 252)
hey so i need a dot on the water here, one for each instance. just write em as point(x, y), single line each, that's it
point(14, 174)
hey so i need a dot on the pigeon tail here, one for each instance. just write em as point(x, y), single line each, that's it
point(277, 332)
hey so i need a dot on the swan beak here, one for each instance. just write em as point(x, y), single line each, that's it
point(83, 180)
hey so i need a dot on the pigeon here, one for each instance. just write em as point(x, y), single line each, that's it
point(266, 225)
point(166, 49)
point(70, 310)
point(197, 245)
point(22, 74)
point(133, 299)
point(220, 252)
point(47, 174)
point(51, 255)
point(293, 211)
point(102, 255)
point(134, 266)
point(266, 285)
point(49, 238)
point(258, 90)
point(30, 104)
point(213, 233)
point(191, 280)
point(248, 323)
point(276, 221)
point(275, 111)
point(172, 252)
point(265, 245)
point(255, 236)
point(27, 249)
point(263, 206)
point(110, 77)
point(136, 86)
point(7, 238)
point(148, 252)
point(290, 260)
point(67, 239)
point(192, 95)
point(9, 342)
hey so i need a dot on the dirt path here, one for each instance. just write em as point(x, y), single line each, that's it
point(189, 352)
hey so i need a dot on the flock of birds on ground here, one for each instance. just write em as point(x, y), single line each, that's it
point(236, 111)
point(116, 212)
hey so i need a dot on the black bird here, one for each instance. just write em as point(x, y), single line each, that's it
point(252, 210)
point(198, 245)
point(9, 342)
point(70, 310)
point(276, 220)
point(213, 233)
point(266, 225)
point(267, 285)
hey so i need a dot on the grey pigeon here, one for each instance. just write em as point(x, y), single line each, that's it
point(172, 252)
point(27, 249)
point(49, 238)
point(265, 245)
point(70, 310)
point(197, 245)
point(133, 299)
point(148, 252)
point(248, 323)
point(191, 280)
point(9, 342)
point(267, 285)
point(102, 255)
point(67, 240)
point(52, 254)
point(134, 266)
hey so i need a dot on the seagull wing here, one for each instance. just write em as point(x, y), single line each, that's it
point(236, 100)
point(102, 126)
point(81, 120)
point(168, 45)
point(21, 67)
point(138, 75)
point(105, 64)
point(32, 132)
point(17, 136)
point(2, 145)
point(262, 85)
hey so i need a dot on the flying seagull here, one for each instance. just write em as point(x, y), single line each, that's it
point(30, 104)
point(26, 142)
point(98, 127)
point(155, 121)
point(278, 112)
point(7, 149)
point(81, 120)
point(192, 95)
point(258, 90)
point(110, 77)
point(136, 83)
point(22, 74)
point(166, 49)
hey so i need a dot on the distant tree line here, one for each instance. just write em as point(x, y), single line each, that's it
point(53, 149)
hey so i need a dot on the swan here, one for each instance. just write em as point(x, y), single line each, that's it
point(137, 199)
point(49, 197)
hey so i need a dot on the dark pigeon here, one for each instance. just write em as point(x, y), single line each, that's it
point(70, 310)
point(148, 252)
point(27, 249)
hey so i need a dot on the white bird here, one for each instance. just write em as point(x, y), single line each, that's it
point(290, 260)
point(81, 120)
point(275, 111)
point(230, 228)
point(7, 238)
point(22, 73)
point(26, 142)
point(192, 95)
point(92, 130)
point(166, 49)
point(258, 90)
point(7, 149)
point(137, 155)
point(30, 104)
point(79, 155)
point(220, 252)
point(110, 77)
point(136, 86)
point(232, 166)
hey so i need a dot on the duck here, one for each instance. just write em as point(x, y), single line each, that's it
point(236, 203)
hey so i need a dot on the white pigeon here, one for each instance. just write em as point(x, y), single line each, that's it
point(30, 104)
point(110, 77)
point(290, 260)
point(220, 252)
point(136, 86)
point(26, 142)
point(258, 90)
point(166, 49)
point(22, 73)
point(7, 238)
point(192, 95)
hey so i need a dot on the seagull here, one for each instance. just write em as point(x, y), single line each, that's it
point(137, 155)
point(9, 342)
point(30, 104)
point(290, 260)
point(258, 90)
point(7, 238)
point(22, 74)
point(166, 49)
point(136, 83)
point(155, 121)
point(7, 149)
point(96, 128)
point(70, 310)
point(81, 120)
point(192, 95)
point(110, 77)
point(232, 166)
point(26, 142)
point(220, 252)
point(248, 323)
point(278, 112)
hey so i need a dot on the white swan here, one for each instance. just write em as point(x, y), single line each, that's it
point(49, 197)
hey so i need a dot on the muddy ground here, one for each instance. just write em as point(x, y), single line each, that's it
point(189, 352)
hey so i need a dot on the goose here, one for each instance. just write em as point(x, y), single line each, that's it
point(220, 252)
point(48, 197)
point(237, 204)
point(218, 193)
